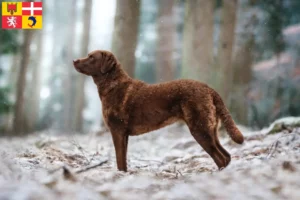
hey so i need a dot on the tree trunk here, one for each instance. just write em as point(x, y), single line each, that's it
point(34, 98)
point(79, 101)
point(198, 39)
point(56, 11)
point(241, 80)
point(19, 126)
point(225, 49)
point(166, 30)
point(125, 33)
point(70, 36)
point(243, 60)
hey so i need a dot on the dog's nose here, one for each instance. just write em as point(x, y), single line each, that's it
point(75, 61)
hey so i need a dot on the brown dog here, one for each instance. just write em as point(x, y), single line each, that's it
point(132, 107)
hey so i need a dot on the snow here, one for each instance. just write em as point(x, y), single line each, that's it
point(165, 164)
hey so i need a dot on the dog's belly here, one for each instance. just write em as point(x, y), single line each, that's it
point(154, 112)
point(142, 127)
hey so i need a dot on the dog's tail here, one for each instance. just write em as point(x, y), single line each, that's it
point(228, 122)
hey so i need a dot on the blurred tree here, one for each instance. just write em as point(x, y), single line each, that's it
point(68, 95)
point(198, 40)
point(8, 45)
point(277, 14)
point(292, 14)
point(56, 20)
point(11, 88)
point(275, 20)
point(279, 92)
point(19, 124)
point(126, 33)
point(166, 32)
point(5, 104)
point(8, 41)
point(79, 99)
point(35, 84)
point(243, 59)
point(146, 47)
point(225, 48)
point(218, 3)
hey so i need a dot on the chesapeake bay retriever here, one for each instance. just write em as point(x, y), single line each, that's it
point(132, 107)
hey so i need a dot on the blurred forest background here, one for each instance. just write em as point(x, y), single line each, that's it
point(248, 50)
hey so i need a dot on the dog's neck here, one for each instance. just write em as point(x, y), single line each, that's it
point(109, 81)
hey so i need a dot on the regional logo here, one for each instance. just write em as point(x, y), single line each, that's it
point(22, 15)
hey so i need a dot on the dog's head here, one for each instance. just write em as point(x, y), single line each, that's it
point(96, 63)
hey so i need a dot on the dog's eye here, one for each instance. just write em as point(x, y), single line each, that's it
point(91, 57)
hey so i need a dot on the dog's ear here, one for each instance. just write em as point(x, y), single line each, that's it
point(108, 63)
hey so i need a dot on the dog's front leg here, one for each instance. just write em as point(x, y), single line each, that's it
point(120, 143)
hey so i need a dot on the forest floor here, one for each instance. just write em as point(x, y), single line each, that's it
point(165, 164)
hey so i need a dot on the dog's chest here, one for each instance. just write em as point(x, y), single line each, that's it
point(115, 112)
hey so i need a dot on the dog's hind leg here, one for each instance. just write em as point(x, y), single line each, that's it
point(202, 125)
point(220, 147)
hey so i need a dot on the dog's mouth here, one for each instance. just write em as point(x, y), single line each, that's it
point(78, 66)
point(79, 70)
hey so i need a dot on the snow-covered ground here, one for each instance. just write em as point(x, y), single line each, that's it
point(165, 164)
